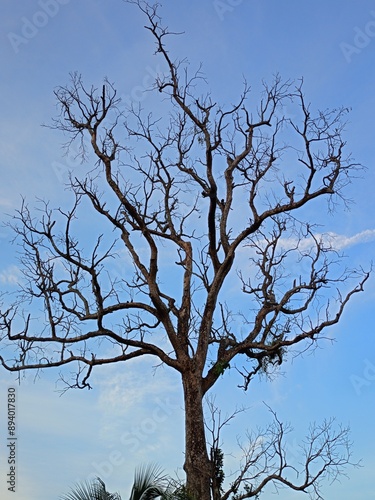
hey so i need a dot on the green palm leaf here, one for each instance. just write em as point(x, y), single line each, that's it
point(148, 483)
point(94, 490)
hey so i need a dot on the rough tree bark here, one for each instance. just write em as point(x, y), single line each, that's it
point(206, 188)
point(197, 463)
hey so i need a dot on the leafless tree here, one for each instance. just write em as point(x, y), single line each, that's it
point(325, 453)
point(203, 199)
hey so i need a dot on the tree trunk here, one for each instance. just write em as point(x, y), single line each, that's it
point(197, 463)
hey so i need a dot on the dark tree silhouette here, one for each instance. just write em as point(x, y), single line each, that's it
point(200, 199)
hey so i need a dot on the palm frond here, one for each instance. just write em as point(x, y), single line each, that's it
point(149, 483)
point(94, 490)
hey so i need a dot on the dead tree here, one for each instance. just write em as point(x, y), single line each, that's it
point(203, 196)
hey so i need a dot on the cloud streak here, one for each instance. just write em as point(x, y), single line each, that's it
point(339, 241)
point(331, 240)
point(11, 275)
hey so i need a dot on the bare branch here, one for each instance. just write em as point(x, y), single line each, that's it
point(144, 261)
point(324, 455)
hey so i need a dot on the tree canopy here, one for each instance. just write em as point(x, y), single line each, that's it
point(205, 207)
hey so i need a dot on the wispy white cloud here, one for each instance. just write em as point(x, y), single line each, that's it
point(11, 275)
point(122, 391)
point(340, 241)
point(330, 239)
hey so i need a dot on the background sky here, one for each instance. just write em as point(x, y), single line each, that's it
point(134, 415)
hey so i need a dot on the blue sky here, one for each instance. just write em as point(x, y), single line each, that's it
point(129, 418)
